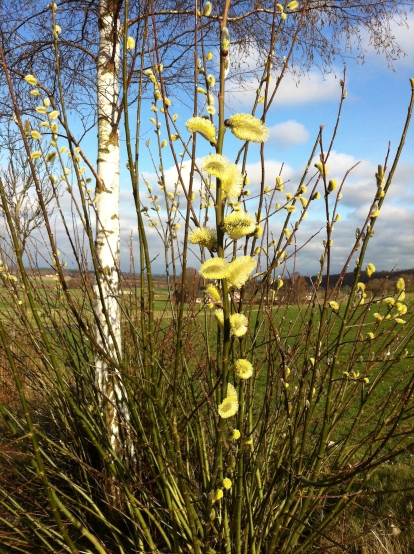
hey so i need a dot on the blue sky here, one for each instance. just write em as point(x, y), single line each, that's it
point(374, 113)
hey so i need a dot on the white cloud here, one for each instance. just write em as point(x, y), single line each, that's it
point(288, 133)
point(394, 231)
point(311, 88)
point(391, 244)
point(360, 186)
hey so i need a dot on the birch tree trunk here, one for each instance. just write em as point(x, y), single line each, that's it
point(107, 288)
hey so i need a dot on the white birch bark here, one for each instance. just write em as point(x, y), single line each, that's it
point(107, 226)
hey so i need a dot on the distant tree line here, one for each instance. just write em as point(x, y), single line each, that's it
point(383, 280)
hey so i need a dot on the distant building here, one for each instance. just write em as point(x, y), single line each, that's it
point(177, 295)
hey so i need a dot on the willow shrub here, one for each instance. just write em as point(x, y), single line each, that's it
point(245, 424)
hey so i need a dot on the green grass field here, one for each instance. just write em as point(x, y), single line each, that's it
point(289, 322)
